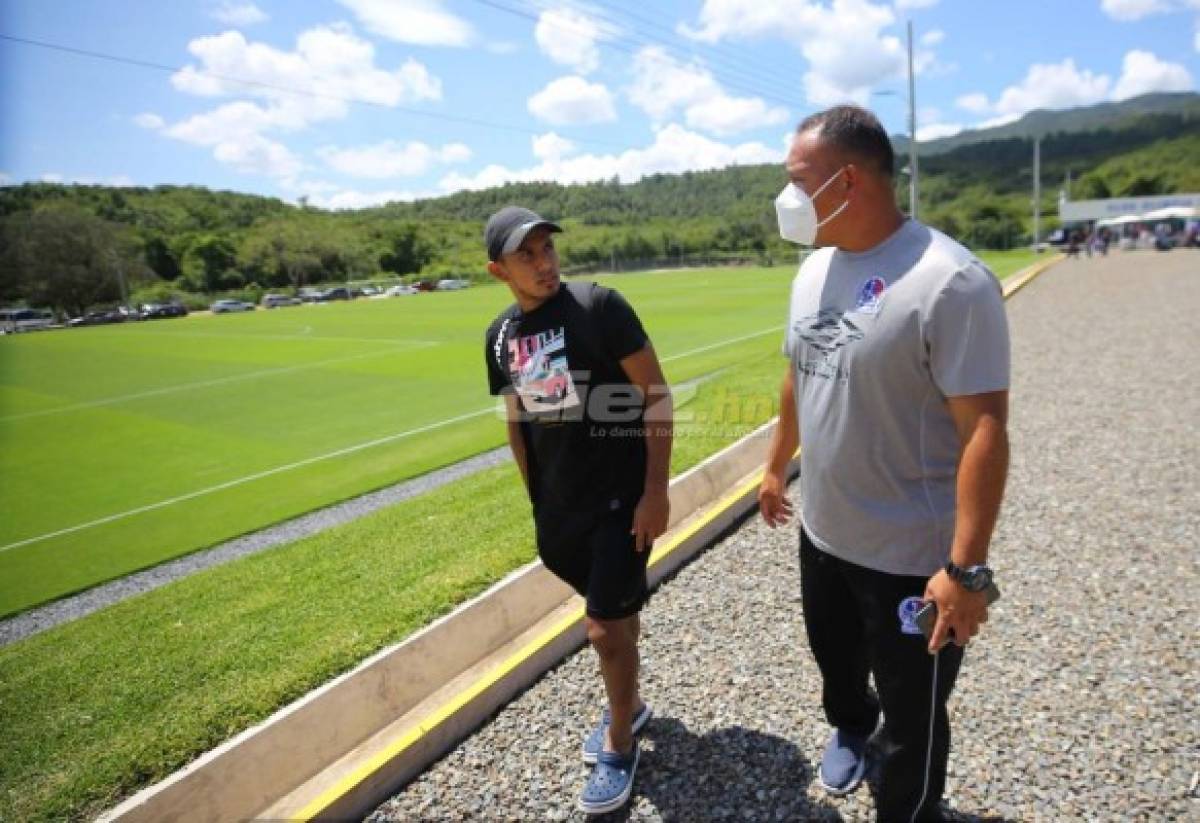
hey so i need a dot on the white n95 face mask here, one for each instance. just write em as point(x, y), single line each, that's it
point(798, 216)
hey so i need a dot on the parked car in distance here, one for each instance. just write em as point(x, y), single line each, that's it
point(154, 311)
point(336, 293)
point(309, 295)
point(370, 291)
point(400, 291)
point(226, 306)
point(19, 320)
point(452, 284)
point(273, 301)
point(98, 318)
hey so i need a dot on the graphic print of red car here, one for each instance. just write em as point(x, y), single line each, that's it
point(555, 386)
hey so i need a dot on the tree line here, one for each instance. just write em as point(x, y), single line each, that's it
point(74, 247)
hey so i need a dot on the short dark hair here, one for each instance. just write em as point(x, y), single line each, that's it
point(857, 132)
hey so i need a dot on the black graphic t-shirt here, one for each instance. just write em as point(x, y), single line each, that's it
point(582, 420)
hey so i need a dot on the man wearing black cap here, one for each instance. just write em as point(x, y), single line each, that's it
point(590, 425)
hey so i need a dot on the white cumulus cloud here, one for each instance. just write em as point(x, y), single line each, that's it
point(573, 101)
point(1064, 85)
point(933, 37)
point(392, 159)
point(550, 146)
point(847, 52)
point(935, 131)
point(239, 14)
point(419, 22)
point(1045, 86)
point(1142, 72)
point(149, 120)
point(915, 4)
point(331, 62)
point(255, 154)
point(675, 150)
point(1127, 10)
point(976, 102)
point(663, 86)
point(569, 37)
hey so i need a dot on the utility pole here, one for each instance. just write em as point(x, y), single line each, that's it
point(912, 129)
point(120, 278)
point(1037, 191)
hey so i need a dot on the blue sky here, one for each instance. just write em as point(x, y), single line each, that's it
point(350, 103)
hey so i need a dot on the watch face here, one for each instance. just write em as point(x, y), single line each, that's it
point(976, 578)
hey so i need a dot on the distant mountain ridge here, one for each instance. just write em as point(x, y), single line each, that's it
point(1042, 122)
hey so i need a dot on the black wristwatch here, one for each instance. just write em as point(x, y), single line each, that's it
point(972, 578)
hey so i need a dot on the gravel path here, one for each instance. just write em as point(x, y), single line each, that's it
point(1078, 701)
point(69, 608)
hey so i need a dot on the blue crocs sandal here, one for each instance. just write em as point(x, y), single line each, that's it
point(595, 740)
point(844, 763)
point(611, 782)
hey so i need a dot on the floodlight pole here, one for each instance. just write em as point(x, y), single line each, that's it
point(912, 129)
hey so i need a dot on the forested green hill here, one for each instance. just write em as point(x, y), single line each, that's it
point(62, 246)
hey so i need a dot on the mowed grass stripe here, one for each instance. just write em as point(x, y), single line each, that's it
point(203, 384)
point(239, 481)
point(92, 465)
point(320, 457)
point(340, 452)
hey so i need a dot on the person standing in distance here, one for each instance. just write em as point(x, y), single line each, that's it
point(589, 419)
point(897, 391)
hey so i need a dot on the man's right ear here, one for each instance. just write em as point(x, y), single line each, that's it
point(497, 271)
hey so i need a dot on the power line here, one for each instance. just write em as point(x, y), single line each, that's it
point(453, 118)
point(736, 60)
point(620, 44)
point(780, 93)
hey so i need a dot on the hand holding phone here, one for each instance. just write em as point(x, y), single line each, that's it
point(926, 618)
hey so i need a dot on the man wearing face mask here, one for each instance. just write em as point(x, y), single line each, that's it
point(897, 392)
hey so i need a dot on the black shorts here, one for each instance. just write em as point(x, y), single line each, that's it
point(595, 553)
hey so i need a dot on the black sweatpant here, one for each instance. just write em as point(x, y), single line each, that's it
point(854, 620)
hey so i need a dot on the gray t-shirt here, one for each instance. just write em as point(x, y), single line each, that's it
point(879, 339)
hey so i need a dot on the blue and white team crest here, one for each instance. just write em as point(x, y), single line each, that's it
point(870, 294)
point(907, 611)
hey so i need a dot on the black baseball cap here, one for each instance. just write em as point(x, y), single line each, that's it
point(507, 229)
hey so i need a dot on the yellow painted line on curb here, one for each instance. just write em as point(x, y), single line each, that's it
point(1029, 274)
point(464, 697)
point(460, 700)
point(518, 657)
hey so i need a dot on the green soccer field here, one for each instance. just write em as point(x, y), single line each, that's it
point(124, 446)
